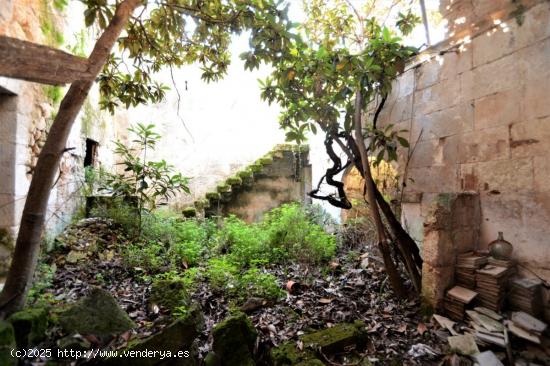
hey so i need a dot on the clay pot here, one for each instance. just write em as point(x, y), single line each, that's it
point(500, 248)
point(292, 287)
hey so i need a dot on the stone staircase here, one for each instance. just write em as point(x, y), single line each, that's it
point(283, 175)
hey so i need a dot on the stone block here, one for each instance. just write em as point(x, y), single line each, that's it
point(233, 341)
point(523, 218)
point(531, 138)
point(443, 178)
point(536, 97)
point(447, 122)
point(541, 173)
point(486, 9)
point(494, 44)
point(412, 220)
point(406, 83)
point(466, 86)
point(442, 151)
point(441, 95)
point(459, 14)
point(438, 248)
point(465, 239)
point(499, 109)
point(412, 197)
point(502, 74)
point(456, 63)
point(29, 326)
point(400, 110)
point(535, 27)
point(535, 60)
point(97, 313)
point(488, 144)
point(428, 73)
point(498, 176)
point(7, 344)
point(435, 281)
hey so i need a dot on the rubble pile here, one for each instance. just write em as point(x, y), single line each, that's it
point(517, 337)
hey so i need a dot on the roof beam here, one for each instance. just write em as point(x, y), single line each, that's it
point(41, 64)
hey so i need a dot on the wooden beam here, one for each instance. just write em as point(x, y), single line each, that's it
point(41, 64)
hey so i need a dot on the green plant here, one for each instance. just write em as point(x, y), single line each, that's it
point(44, 276)
point(258, 284)
point(245, 243)
point(222, 274)
point(53, 93)
point(170, 291)
point(191, 241)
point(295, 236)
point(147, 256)
point(60, 4)
point(145, 181)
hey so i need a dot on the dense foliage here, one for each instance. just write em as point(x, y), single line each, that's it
point(166, 34)
point(231, 256)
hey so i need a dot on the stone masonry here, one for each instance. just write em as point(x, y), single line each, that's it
point(477, 111)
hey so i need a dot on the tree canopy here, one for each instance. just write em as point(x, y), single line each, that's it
point(172, 33)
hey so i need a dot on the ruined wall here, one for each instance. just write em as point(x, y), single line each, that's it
point(476, 107)
point(26, 112)
point(283, 177)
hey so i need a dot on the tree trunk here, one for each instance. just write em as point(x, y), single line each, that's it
point(27, 246)
point(393, 274)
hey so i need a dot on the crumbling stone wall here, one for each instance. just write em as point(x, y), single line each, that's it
point(451, 226)
point(476, 107)
point(287, 178)
point(26, 112)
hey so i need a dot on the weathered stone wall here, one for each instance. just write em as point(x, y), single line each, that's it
point(26, 112)
point(476, 107)
point(287, 179)
point(451, 226)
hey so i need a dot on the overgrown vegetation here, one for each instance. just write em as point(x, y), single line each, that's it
point(176, 253)
point(143, 183)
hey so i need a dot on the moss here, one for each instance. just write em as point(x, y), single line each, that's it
point(180, 335)
point(169, 293)
point(60, 5)
point(256, 167)
point(213, 196)
point(48, 27)
point(337, 338)
point(87, 120)
point(201, 204)
point(234, 340)
point(6, 240)
point(234, 181)
point(222, 188)
point(98, 314)
point(53, 93)
point(289, 354)
point(245, 174)
point(29, 326)
point(189, 212)
point(7, 335)
point(7, 344)
point(266, 160)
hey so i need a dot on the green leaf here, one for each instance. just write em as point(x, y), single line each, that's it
point(403, 141)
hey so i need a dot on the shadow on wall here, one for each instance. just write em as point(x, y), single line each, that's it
point(8, 149)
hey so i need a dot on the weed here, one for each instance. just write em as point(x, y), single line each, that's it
point(296, 236)
point(245, 243)
point(222, 275)
point(255, 283)
point(169, 290)
point(148, 256)
point(43, 278)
